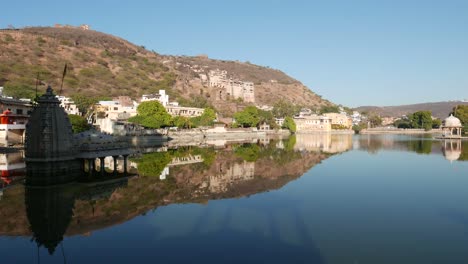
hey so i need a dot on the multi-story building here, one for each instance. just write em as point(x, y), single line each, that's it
point(312, 123)
point(232, 88)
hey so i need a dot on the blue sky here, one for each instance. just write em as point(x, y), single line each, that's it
point(350, 52)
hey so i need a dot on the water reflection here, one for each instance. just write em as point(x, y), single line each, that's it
point(326, 142)
point(451, 149)
point(49, 212)
point(196, 175)
point(12, 167)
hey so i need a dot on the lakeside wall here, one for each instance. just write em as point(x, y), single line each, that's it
point(407, 131)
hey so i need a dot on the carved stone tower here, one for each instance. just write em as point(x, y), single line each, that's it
point(49, 147)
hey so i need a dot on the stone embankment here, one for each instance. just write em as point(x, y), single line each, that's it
point(221, 133)
point(384, 130)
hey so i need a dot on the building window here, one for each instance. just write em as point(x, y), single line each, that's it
point(19, 111)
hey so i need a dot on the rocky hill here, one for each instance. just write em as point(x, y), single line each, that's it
point(102, 65)
point(439, 109)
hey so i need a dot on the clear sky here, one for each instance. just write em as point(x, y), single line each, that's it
point(351, 52)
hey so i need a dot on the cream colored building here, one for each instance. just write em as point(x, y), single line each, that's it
point(114, 110)
point(340, 119)
point(184, 111)
point(312, 123)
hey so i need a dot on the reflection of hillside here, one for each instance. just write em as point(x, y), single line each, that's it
point(326, 142)
point(222, 174)
point(237, 172)
point(230, 175)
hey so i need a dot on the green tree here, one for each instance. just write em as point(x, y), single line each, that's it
point(248, 117)
point(436, 123)
point(83, 102)
point(267, 117)
point(357, 128)
point(375, 120)
point(402, 123)
point(461, 112)
point(421, 119)
point(206, 119)
point(283, 109)
point(181, 122)
point(151, 114)
point(329, 109)
point(79, 123)
point(289, 124)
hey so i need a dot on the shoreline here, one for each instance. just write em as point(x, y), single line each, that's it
point(401, 131)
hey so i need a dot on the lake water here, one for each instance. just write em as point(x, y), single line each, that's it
point(306, 199)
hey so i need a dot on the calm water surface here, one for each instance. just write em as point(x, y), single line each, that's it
point(306, 199)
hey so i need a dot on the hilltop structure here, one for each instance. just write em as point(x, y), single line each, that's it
point(231, 88)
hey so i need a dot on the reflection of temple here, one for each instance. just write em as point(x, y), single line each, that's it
point(452, 149)
point(50, 209)
point(228, 174)
point(330, 143)
point(49, 213)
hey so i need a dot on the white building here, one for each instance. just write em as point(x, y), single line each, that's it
point(162, 97)
point(68, 104)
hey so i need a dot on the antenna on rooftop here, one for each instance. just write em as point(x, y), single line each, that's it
point(63, 77)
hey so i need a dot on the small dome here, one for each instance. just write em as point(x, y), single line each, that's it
point(452, 121)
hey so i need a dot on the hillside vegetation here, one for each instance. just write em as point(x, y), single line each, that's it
point(100, 65)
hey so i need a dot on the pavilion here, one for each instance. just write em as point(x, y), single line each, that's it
point(452, 127)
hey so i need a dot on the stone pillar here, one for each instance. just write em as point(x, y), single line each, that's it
point(115, 164)
point(125, 164)
point(102, 167)
point(94, 164)
point(82, 165)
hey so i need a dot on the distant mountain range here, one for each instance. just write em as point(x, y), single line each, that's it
point(438, 109)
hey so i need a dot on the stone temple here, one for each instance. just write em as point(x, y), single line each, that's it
point(54, 155)
point(50, 153)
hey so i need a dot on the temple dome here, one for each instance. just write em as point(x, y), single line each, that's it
point(49, 135)
point(452, 121)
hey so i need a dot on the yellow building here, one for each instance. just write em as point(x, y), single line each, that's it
point(340, 119)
